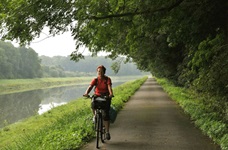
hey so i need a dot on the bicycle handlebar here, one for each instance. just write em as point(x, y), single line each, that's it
point(89, 96)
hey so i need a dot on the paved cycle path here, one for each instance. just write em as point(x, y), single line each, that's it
point(150, 120)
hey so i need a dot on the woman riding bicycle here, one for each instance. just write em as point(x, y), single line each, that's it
point(103, 87)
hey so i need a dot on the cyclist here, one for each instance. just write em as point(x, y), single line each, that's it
point(103, 87)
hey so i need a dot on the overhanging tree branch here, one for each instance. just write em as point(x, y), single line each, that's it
point(165, 8)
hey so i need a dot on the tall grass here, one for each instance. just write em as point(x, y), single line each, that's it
point(65, 127)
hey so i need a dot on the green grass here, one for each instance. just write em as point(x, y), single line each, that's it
point(65, 127)
point(208, 120)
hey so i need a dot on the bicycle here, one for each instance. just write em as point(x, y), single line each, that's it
point(99, 115)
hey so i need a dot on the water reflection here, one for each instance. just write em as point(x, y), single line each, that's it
point(14, 107)
point(59, 96)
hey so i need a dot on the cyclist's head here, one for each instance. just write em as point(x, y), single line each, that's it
point(102, 68)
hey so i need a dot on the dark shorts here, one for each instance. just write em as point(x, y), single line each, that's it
point(104, 105)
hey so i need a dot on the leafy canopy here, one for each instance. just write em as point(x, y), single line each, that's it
point(101, 25)
point(160, 36)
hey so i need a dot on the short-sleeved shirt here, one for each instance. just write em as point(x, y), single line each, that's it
point(101, 85)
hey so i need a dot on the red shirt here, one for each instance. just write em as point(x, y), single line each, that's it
point(101, 85)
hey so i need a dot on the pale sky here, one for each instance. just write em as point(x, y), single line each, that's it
point(62, 45)
point(59, 45)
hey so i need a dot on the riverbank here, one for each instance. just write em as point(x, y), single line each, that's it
point(8, 86)
point(65, 127)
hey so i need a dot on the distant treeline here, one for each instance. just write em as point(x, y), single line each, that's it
point(89, 65)
point(18, 62)
point(22, 62)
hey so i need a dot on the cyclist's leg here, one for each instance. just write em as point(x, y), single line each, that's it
point(93, 109)
point(107, 118)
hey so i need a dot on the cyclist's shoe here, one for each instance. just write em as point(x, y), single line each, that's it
point(108, 137)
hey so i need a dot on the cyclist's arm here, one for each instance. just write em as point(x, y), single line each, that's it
point(88, 90)
point(92, 84)
point(109, 82)
point(110, 90)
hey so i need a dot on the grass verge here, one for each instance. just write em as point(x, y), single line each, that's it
point(65, 127)
point(203, 116)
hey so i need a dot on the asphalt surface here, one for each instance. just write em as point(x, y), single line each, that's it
point(150, 120)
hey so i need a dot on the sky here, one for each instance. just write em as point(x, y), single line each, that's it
point(59, 45)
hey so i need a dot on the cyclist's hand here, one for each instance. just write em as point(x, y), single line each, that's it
point(85, 95)
point(110, 96)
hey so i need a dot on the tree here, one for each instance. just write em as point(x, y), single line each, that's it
point(18, 62)
point(87, 65)
point(101, 25)
point(163, 36)
point(119, 27)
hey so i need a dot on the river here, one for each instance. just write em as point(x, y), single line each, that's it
point(17, 106)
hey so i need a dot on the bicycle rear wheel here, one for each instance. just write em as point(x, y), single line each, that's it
point(103, 134)
point(102, 130)
point(98, 123)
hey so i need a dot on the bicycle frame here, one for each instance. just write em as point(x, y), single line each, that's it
point(99, 125)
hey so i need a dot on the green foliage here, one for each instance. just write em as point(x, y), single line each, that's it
point(115, 67)
point(18, 62)
point(160, 36)
point(25, 63)
point(206, 73)
point(224, 143)
point(210, 61)
point(65, 127)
